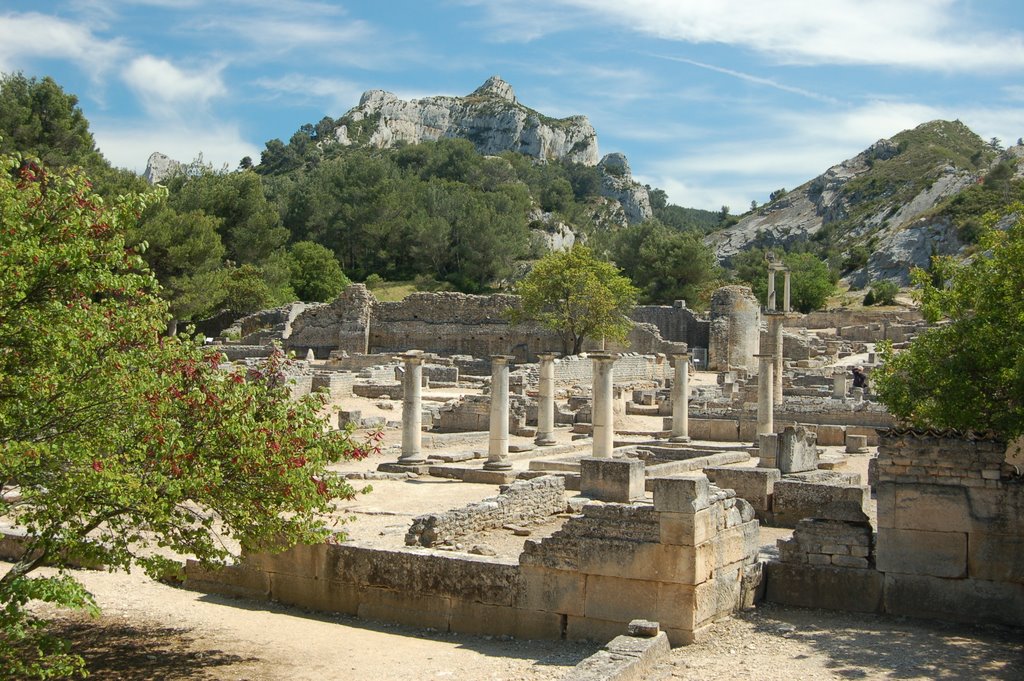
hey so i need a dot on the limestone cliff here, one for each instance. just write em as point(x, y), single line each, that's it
point(159, 167)
point(491, 117)
point(883, 199)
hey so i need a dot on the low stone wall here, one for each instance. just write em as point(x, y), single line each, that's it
point(523, 501)
point(685, 561)
point(950, 541)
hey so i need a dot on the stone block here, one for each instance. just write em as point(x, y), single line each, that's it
point(689, 529)
point(681, 493)
point(722, 430)
point(547, 590)
point(831, 588)
point(618, 599)
point(479, 619)
point(885, 503)
point(405, 607)
point(919, 552)
point(612, 480)
point(756, 485)
point(870, 432)
point(856, 444)
point(238, 581)
point(830, 435)
point(644, 561)
point(301, 560)
point(793, 501)
point(590, 629)
point(738, 544)
point(995, 557)
point(938, 508)
point(959, 600)
point(797, 450)
point(768, 450)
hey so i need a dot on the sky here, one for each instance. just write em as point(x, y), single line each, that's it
point(718, 102)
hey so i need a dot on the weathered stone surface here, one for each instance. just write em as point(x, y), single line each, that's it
point(828, 587)
point(797, 450)
point(681, 493)
point(616, 480)
point(734, 333)
point(920, 552)
point(793, 501)
point(962, 600)
point(756, 485)
point(625, 658)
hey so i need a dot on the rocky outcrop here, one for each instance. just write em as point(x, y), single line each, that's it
point(618, 183)
point(159, 167)
point(491, 117)
point(872, 209)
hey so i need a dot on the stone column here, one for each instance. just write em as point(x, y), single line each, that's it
point(681, 399)
point(775, 322)
point(546, 400)
point(497, 443)
point(785, 291)
point(603, 412)
point(412, 410)
point(770, 303)
point(765, 392)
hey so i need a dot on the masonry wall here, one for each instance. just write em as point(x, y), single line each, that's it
point(675, 323)
point(950, 528)
point(685, 561)
point(734, 332)
point(950, 537)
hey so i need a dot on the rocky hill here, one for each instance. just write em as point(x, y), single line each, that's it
point(494, 120)
point(886, 203)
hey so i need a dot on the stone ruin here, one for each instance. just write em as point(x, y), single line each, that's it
point(665, 527)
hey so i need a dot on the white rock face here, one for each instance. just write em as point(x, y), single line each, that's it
point(159, 167)
point(491, 118)
point(617, 183)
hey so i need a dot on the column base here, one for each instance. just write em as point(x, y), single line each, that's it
point(421, 467)
point(498, 466)
point(679, 438)
point(545, 441)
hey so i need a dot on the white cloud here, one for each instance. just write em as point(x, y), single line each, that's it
point(340, 94)
point(130, 145)
point(921, 34)
point(166, 90)
point(30, 36)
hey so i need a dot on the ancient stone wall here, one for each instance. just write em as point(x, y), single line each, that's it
point(950, 528)
point(950, 541)
point(685, 561)
point(831, 319)
point(524, 501)
point(735, 328)
point(675, 323)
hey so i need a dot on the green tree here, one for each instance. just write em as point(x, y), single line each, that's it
point(883, 293)
point(666, 264)
point(117, 438)
point(811, 280)
point(316, 274)
point(578, 296)
point(969, 373)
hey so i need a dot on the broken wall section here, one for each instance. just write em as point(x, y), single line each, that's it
point(685, 561)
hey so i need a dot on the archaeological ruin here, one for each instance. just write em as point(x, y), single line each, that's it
point(654, 467)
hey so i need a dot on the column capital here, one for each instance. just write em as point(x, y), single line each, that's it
point(604, 356)
point(768, 355)
point(549, 355)
point(502, 359)
point(410, 356)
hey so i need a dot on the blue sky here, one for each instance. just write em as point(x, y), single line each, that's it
point(717, 102)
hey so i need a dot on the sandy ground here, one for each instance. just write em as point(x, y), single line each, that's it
point(154, 631)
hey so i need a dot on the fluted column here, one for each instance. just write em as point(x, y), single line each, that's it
point(770, 302)
point(681, 398)
point(546, 400)
point(497, 443)
point(604, 414)
point(765, 392)
point(412, 411)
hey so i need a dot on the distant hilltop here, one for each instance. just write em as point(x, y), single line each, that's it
point(491, 117)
